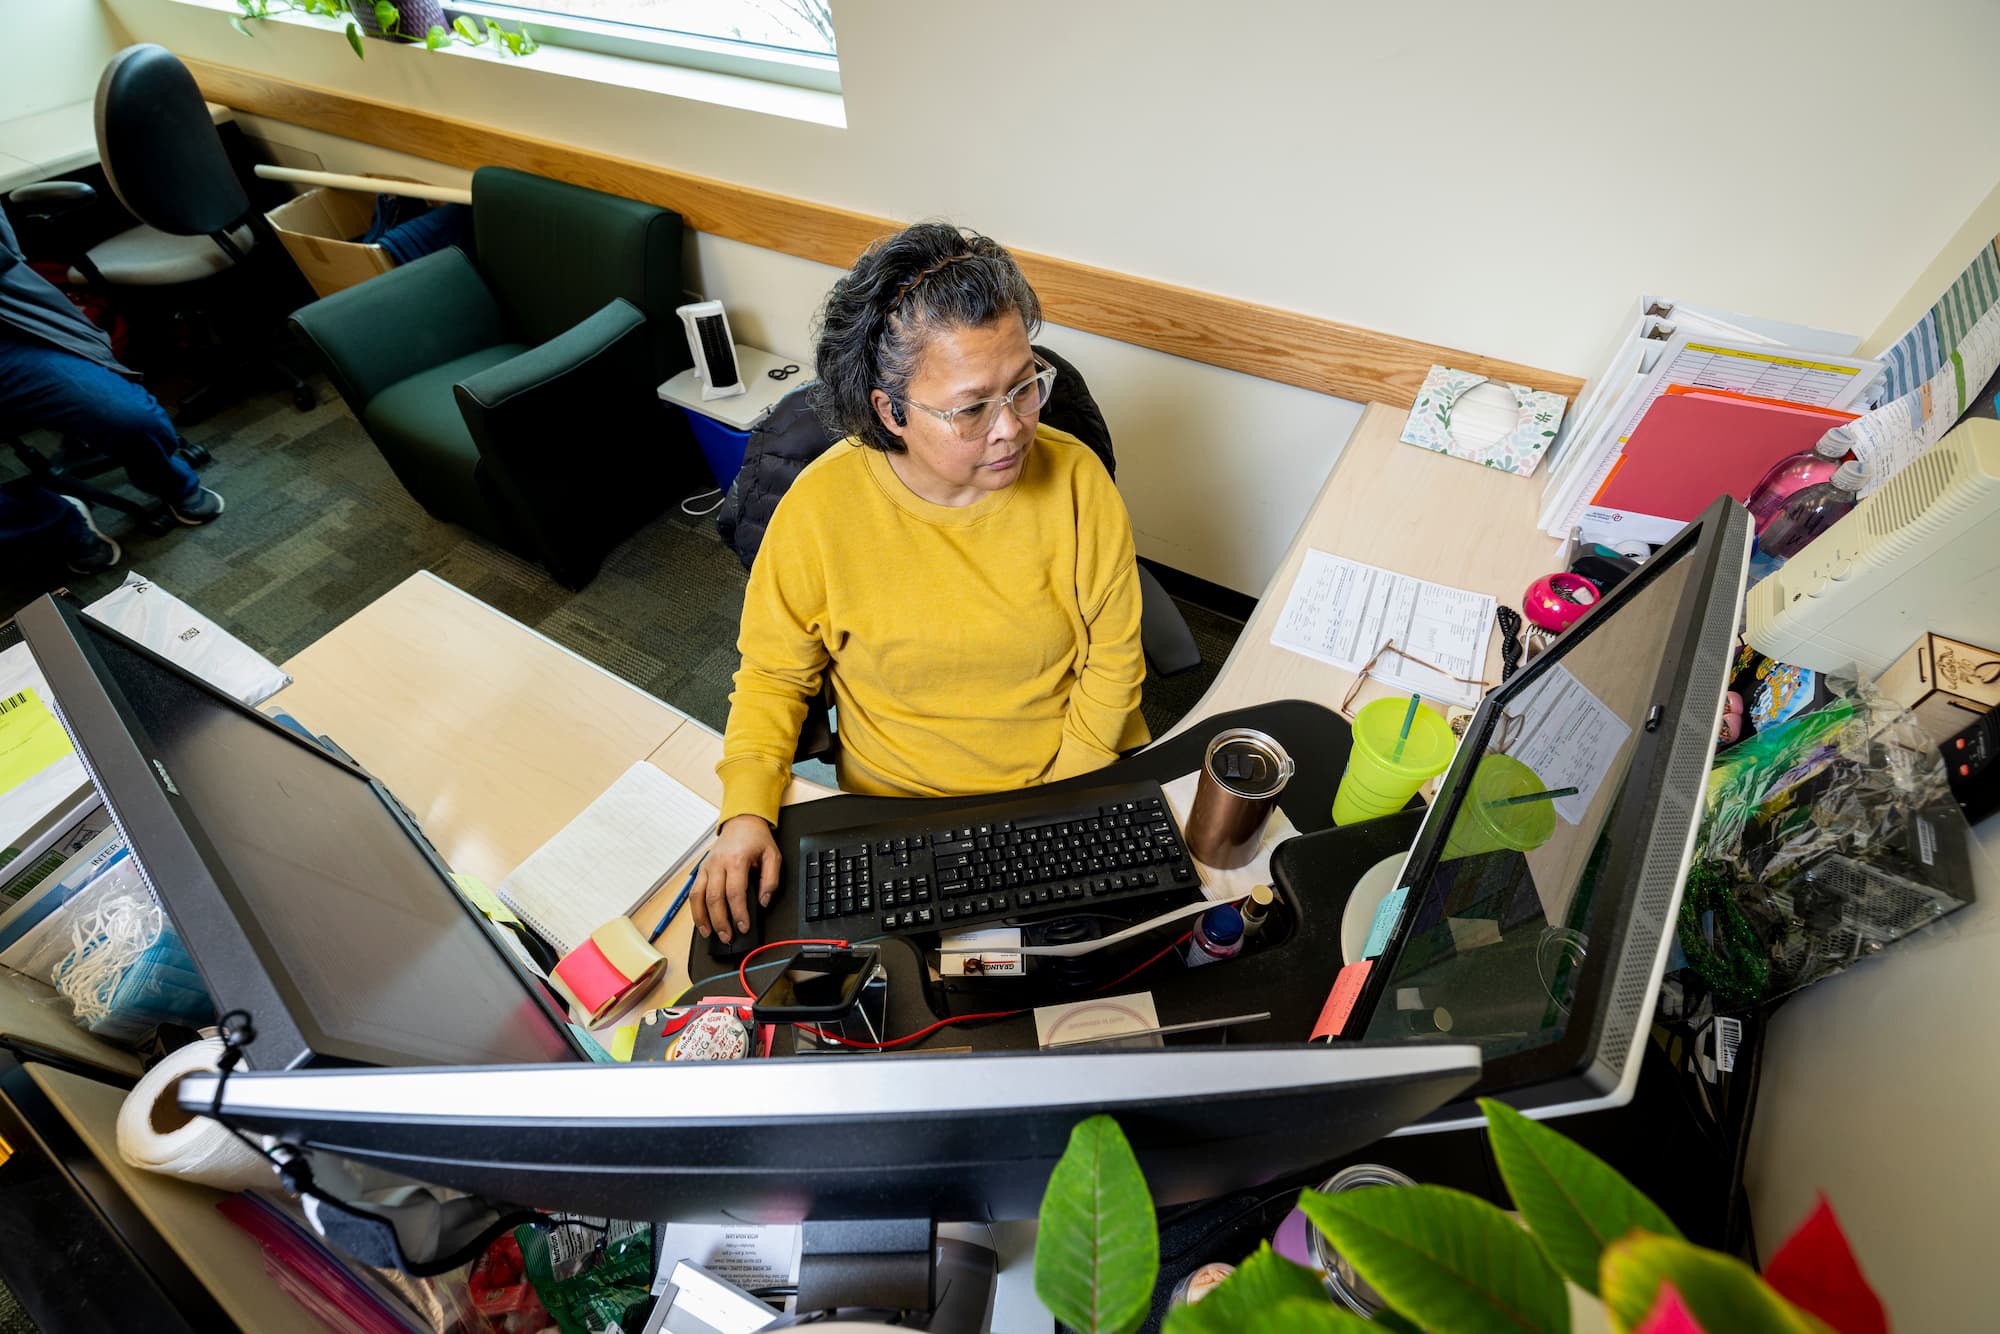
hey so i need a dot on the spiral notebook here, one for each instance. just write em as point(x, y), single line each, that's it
point(603, 863)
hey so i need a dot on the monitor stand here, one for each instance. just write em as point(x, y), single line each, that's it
point(901, 1264)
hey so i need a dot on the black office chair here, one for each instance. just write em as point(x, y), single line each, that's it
point(68, 470)
point(166, 164)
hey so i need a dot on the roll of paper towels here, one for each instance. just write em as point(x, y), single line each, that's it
point(155, 1134)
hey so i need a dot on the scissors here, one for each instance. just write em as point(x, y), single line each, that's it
point(782, 372)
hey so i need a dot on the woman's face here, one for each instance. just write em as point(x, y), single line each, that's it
point(961, 366)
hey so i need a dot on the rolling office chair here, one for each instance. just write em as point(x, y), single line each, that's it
point(67, 472)
point(197, 228)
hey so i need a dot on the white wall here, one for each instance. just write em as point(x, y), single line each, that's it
point(1880, 1088)
point(54, 50)
point(1501, 178)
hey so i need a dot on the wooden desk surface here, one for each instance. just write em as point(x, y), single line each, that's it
point(1404, 509)
point(494, 736)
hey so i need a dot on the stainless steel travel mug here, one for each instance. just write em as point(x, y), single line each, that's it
point(1241, 777)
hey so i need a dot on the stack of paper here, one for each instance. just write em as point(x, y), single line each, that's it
point(1935, 373)
point(1349, 614)
point(1667, 345)
point(603, 863)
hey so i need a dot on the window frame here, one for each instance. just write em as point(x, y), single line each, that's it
point(719, 55)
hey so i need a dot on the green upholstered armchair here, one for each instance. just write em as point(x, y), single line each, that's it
point(515, 395)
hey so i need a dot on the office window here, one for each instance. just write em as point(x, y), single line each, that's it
point(783, 41)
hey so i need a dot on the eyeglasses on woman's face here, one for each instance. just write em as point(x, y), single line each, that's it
point(1025, 400)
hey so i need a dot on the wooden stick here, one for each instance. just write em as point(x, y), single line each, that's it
point(380, 185)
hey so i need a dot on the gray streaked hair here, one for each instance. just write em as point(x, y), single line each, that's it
point(902, 292)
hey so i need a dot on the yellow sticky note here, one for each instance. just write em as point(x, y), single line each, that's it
point(30, 738)
point(484, 899)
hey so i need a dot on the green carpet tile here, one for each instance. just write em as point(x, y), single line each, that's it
point(317, 527)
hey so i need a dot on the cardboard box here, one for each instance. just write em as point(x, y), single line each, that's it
point(1945, 683)
point(316, 229)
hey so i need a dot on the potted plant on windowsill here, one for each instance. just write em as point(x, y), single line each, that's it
point(417, 22)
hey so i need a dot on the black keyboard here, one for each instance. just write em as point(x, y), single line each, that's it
point(1012, 859)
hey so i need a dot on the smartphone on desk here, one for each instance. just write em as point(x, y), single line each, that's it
point(822, 982)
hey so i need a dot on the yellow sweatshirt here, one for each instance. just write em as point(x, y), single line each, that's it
point(971, 649)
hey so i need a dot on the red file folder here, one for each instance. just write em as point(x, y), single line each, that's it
point(1693, 445)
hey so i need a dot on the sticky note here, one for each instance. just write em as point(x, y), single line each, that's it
point(1386, 914)
point(30, 738)
point(591, 1047)
point(1340, 1003)
point(483, 898)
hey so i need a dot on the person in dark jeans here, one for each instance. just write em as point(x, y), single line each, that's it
point(57, 371)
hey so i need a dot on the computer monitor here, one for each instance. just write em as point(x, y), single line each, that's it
point(303, 893)
point(1538, 925)
point(967, 1136)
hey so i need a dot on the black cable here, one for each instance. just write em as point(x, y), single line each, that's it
point(295, 1172)
point(1739, 1232)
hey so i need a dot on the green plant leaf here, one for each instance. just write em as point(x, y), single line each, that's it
point(386, 17)
point(1575, 1203)
point(354, 40)
point(464, 27)
point(1445, 1259)
point(1718, 1290)
point(237, 24)
point(1098, 1250)
point(1248, 1298)
point(512, 40)
point(436, 38)
point(528, 43)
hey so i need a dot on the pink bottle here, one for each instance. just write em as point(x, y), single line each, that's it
point(1788, 476)
point(1811, 512)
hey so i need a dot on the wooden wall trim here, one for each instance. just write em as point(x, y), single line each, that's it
point(1265, 341)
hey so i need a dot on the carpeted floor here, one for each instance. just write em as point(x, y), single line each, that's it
point(317, 527)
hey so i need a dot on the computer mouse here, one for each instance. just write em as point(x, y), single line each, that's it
point(741, 942)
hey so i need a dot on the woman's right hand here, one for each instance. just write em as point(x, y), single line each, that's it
point(744, 855)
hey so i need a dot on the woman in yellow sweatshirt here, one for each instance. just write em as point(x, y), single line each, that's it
point(960, 575)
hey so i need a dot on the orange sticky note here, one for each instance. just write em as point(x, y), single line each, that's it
point(1340, 1004)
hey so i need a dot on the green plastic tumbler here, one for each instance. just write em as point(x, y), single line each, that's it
point(1486, 823)
point(1377, 784)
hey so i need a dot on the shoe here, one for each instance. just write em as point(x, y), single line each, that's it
point(98, 552)
point(200, 508)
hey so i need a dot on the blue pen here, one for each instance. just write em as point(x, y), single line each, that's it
point(679, 899)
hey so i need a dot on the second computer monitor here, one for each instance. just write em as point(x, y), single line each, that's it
point(1540, 897)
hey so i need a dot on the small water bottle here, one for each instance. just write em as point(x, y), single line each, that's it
point(1790, 475)
point(1218, 934)
point(1810, 512)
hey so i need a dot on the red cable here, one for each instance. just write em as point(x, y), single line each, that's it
point(1189, 935)
point(743, 964)
point(923, 1032)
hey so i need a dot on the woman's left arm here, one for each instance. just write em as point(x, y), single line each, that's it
point(1103, 717)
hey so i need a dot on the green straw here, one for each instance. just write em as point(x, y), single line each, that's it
point(1402, 739)
point(1550, 795)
